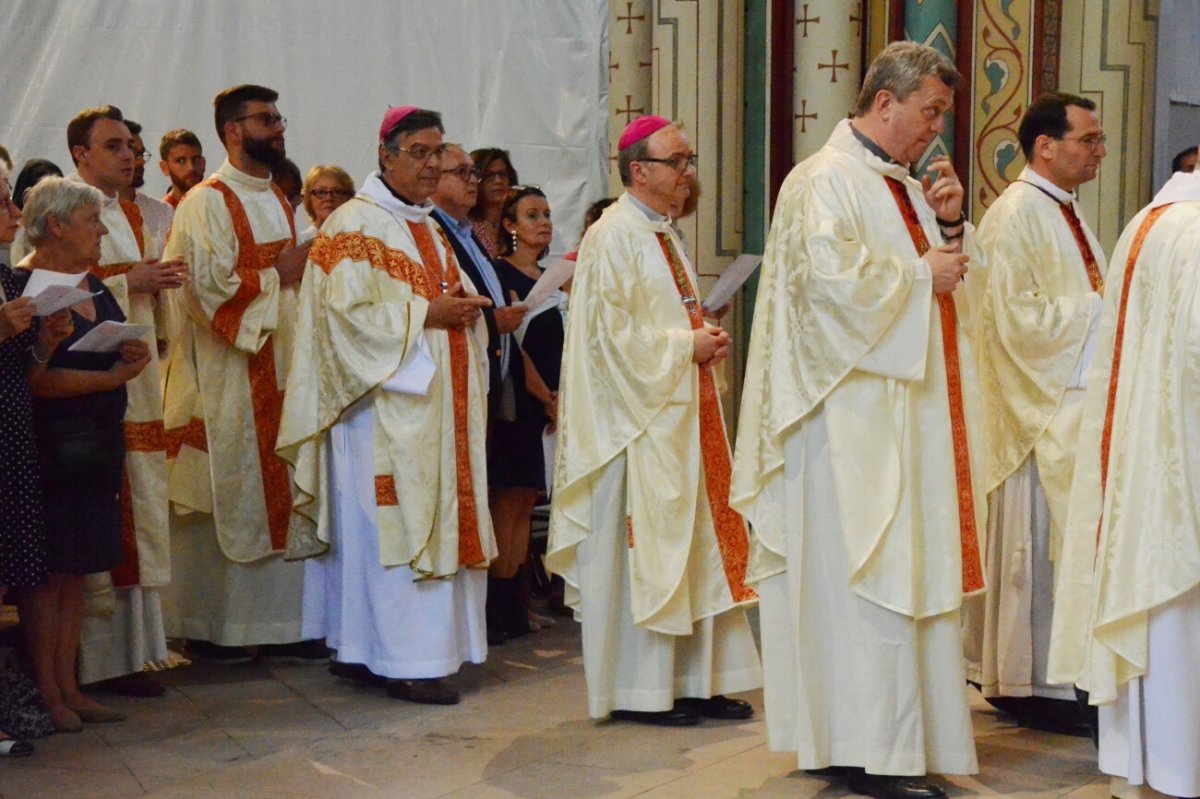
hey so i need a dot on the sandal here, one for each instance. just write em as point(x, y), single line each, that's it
point(12, 747)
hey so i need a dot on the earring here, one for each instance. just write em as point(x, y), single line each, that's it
point(514, 240)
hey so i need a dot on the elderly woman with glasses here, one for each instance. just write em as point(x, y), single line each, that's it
point(22, 527)
point(326, 188)
point(496, 179)
point(78, 411)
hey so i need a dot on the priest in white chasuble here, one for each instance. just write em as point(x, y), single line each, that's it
point(1127, 602)
point(1045, 279)
point(231, 586)
point(116, 647)
point(641, 530)
point(858, 459)
point(385, 424)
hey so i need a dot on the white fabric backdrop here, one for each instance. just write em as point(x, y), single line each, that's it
point(527, 75)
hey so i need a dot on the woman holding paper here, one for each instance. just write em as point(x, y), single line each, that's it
point(22, 527)
point(526, 232)
point(78, 408)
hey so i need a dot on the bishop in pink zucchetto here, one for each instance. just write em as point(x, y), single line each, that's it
point(640, 128)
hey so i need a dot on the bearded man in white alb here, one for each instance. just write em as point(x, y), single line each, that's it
point(857, 458)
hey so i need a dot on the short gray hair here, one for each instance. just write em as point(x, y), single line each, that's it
point(900, 68)
point(57, 197)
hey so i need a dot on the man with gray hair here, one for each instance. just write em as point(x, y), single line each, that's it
point(857, 456)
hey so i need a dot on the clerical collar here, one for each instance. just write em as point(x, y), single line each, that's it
point(1056, 193)
point(651, 214)
point(871, 146)
point(397, 194)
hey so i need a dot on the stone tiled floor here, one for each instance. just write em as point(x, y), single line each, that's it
point(272, 730)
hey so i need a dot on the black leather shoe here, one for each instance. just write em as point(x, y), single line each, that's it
point(356, 672)
point(312, 651)
point(716, 707)
point(882, 786)
point(496, 637)
point(217, 653)
point(425, 692)
point(678, 716)
point(833, 772)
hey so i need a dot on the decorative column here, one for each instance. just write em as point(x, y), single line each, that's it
point(934, 23)
point(1109, 52)
point(1002, 77)
point(828, 69)
point(629, 73)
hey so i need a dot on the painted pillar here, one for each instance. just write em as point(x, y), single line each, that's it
point(629, 73)
point(828, 69)
point(934, 23)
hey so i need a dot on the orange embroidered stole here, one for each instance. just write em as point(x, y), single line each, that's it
point(266, 398)
point(1085, 247)
point(730, 528)
point(972, 565)
point(139, 436)
point(1135, 250)
point(470, 549)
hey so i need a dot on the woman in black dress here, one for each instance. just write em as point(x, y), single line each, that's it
point(78, 410)
point(22, 529)
point(526, 232)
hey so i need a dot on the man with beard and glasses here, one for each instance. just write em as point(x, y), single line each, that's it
point(156, 214)
point(182, 163)
point(225, 378)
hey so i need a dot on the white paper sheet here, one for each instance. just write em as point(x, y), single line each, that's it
point(551, 280)
point(732, 279)
point(53, 291)
point(108, 336)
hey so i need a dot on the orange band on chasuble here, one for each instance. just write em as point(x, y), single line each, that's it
point(328, 252)
point(1135, 250)
point(192, 435)
point(1085, 248)
point(732, 539)
point(134, 216)
point(972, 565)
point(266, 399)
point(470, 548)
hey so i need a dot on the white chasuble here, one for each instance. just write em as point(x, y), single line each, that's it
point(1133, 532)
point(372, 272)
point(630, 388)
point(226, 374)
point(1038, 325)
point(859, 465)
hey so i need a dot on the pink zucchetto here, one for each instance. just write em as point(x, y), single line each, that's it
point(639, 129)
point(393, 117)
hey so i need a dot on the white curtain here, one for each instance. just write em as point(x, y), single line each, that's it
point(526, 75)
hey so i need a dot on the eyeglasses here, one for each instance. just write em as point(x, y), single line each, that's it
point(266, 118)
point(421, 152)
point(678, 162)
point(331, 194)
point(1090, 142)
point(524, 188)
point(464, 173)
point(144, 155)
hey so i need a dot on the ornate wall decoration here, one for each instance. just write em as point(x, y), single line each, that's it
point(629, 73)
point(828, 69)
point(1003, 41)
point(934, 23)
point(1108, 54)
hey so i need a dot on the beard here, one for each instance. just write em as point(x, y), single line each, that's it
point(264, 150)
